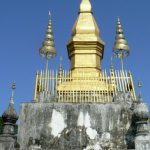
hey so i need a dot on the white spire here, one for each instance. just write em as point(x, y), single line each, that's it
point(12, 95)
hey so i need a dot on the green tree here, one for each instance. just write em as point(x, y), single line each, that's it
point(1, 125)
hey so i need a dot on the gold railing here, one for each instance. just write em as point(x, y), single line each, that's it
point(64, 87)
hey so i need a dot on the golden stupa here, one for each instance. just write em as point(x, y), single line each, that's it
point(85, 81)
point(85, 51)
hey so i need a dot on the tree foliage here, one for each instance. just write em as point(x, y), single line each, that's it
point(1, 125)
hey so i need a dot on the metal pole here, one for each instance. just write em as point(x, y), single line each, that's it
point(36, 84)
point(122, 63)
point(47, 63)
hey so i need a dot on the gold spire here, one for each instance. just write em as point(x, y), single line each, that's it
point(85, 48)
point(48, 47)
point(85, 6)
point(85, 27)
point(121, 45)
point(121, 48)
point(12, 95)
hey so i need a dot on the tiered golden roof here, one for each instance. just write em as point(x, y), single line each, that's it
point(121, 48)
point(48, 47)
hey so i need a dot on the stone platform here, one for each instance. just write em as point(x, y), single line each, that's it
point(66, 126)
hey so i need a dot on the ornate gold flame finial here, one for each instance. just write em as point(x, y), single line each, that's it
point(85, 6)
point(12, 95)
point(121, 48)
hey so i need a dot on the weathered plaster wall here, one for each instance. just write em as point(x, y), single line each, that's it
point(75, 126)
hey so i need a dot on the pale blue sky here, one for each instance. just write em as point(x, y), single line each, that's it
point(22, 29)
